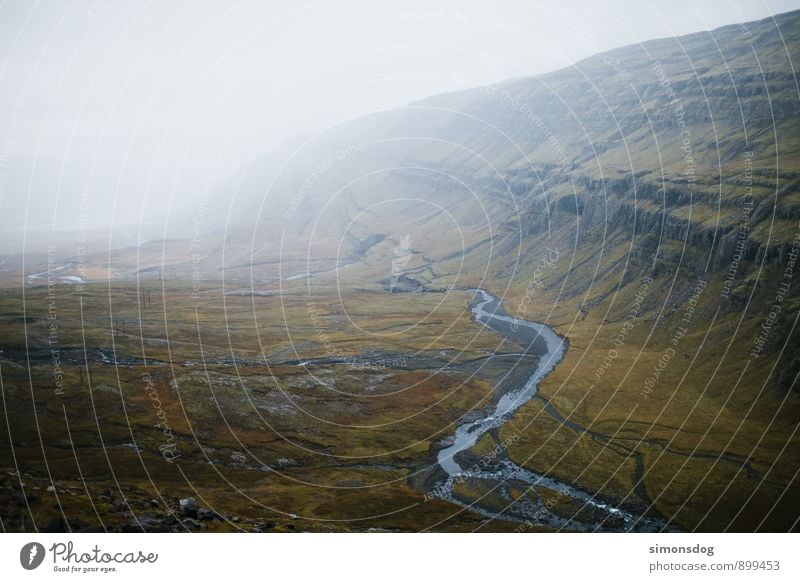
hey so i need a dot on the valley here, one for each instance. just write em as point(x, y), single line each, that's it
point(566, 302)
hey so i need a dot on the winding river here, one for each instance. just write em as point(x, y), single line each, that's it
point(498, 473)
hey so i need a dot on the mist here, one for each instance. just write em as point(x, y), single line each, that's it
point(116, 113)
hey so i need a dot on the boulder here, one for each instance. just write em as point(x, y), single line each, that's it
point(188, 507)
point(204, 514)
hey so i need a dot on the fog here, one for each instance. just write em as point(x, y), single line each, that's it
point(119, 112)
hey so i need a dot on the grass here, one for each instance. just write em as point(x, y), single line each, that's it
point(290, 444)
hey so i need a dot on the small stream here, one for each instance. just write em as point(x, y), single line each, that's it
point(499, 473)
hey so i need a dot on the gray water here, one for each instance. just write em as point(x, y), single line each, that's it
point(487, 310)
point(467, 434)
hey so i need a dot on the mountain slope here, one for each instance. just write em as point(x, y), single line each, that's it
point(645, 202)
point(313, 313)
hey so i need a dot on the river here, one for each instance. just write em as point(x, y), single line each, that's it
point(497, 473)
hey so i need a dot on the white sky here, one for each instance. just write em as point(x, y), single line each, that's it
point(149, 98)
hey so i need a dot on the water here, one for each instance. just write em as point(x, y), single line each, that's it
point(551, 347)
point(467, 434)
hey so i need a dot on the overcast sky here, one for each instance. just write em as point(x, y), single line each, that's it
point(132, 104)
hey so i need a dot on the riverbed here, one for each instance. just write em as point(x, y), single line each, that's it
point(494, 475)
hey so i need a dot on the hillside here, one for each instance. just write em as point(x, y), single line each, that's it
point(667, 176)
point(644, 203)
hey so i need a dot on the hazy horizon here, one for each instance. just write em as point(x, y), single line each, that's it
point(115, 114)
